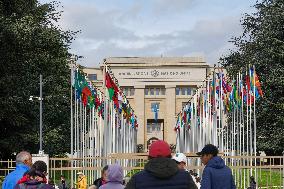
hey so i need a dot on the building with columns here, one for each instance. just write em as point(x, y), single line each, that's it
point(157, 88)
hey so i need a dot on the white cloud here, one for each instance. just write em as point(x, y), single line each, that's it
point(131, 30)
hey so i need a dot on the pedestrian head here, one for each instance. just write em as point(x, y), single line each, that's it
point(115, 173)
point(104, 172)
point(180, 159)
point(24, 157)
point(38, 171)
point(208, 152)
point(80, 174)
point(158, 149)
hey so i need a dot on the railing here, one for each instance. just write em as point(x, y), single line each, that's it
point(267, 170)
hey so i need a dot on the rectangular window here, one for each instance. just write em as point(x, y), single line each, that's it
point(154, 127)
point(163, 91)
point(183, 91)
point(193, 90)
point(158, 91)
point(152, 91)
point(92, 77)
point(188, 90)
point(128, 91)
point(177, 91)
point(125, 91)
point(146, 91)
point(155, 91)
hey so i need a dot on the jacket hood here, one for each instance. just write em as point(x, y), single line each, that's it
point(216, 162)
point(162, 167)
point(114, 173)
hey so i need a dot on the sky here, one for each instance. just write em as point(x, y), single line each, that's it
point(168, 28)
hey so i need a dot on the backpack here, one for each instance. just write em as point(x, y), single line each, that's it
point(25, 186)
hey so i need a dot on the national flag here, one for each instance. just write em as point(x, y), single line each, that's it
point(257, 84)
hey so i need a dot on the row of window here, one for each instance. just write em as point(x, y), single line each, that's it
point(154, 127)
point(152, 91)
point(128, 91)
point(155, 91)
point(185, 90)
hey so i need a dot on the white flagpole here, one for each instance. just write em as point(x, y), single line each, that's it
point(254, 121)
point(250, 124)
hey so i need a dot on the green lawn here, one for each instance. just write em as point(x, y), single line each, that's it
point(265, 177)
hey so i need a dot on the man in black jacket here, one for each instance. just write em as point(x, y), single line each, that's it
point(161, 171)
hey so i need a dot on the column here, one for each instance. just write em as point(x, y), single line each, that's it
point(169, 133)
point(140, 112)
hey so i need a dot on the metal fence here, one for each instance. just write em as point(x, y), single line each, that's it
point(267, 170)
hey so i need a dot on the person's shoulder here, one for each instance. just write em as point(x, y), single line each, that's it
point(11, 174)
point(182, 175)
point(97, 180)
point(228, 169)
point(140, 173)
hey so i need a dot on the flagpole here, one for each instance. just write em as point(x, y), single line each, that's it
point(71, 117)
point(254, 121)
point(250, 123)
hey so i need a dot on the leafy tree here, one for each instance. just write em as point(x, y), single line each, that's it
point(32, 44)
point(262, 45)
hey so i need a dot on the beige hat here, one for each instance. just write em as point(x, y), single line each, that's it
point(80, 173)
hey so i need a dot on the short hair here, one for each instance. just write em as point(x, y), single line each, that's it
point(22, 156)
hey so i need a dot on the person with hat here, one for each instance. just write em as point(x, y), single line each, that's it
point(216, 175)
point(82, 181)
point(161, 171)
point(180, 160)
point(114, 178)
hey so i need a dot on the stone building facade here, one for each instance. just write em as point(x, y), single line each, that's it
point(157, 88)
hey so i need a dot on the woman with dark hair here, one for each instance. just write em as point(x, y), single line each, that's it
point(35, 178)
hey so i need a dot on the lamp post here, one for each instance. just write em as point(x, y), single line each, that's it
point(40, 113)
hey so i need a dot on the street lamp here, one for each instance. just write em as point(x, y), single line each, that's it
point(40, 112)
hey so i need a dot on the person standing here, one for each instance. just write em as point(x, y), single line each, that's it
point(252, 183)
point(161, 171)
point(114, 178)
point(63, 184)
point(180, 160)
point(216, 175)
point(23, 164)
point(101, 181)
point(82, 181)
point(35, 177)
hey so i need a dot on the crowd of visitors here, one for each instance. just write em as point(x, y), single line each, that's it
point(161, 171)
